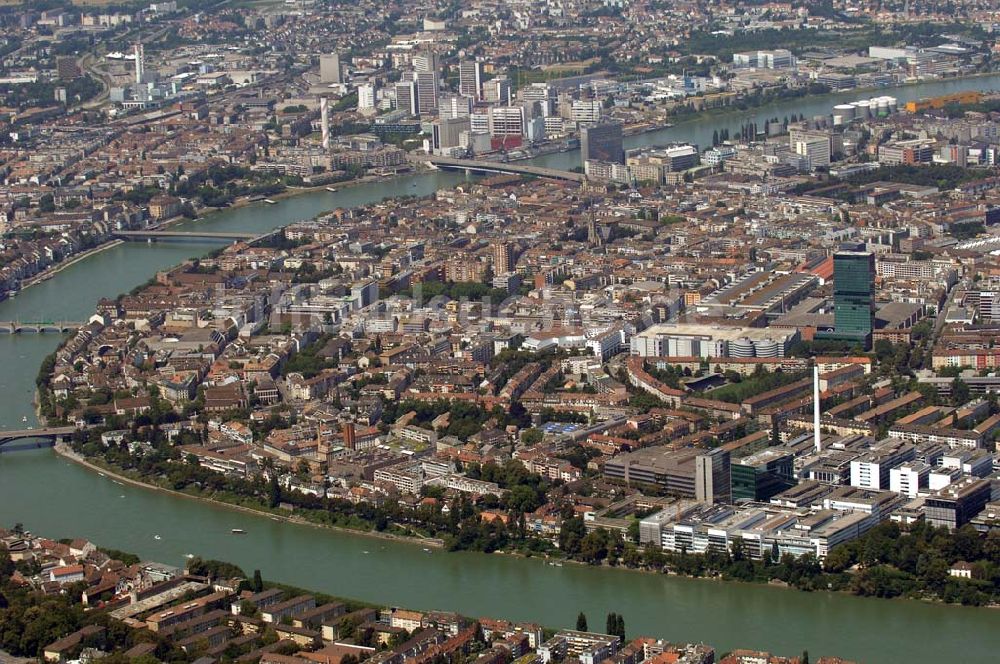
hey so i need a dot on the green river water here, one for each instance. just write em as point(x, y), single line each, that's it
point(54, 497)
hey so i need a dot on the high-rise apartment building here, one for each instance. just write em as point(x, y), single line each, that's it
point(366, 97)
point(504, 257)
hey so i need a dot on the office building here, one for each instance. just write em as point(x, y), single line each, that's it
point(760, 476)
point(711, 341)
point(470, 79)
point(427, 90)
point(586, 111)
point(426, 62)
point(669, 470)
point(713, 477)
point(329, 68)
point(909, 479)
point(506, 121)
point(815, 150)
point(454, 106)
point(653, 165)
point(854, 295)
point(365, 293)
point(447, 133)
point(497, 91)
point(872, 469)
point(956, 504)
point(541, 93)
point(406, 97)
point(602, 142)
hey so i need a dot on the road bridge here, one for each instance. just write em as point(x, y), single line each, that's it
point(185, 235)
point(39, 327)
point(513, 168)
point(45, 436)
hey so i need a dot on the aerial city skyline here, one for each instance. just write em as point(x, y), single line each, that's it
point(684, 312)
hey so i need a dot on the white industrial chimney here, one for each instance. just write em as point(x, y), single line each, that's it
point(816, 436)
point(324, 112)
point(140, 63)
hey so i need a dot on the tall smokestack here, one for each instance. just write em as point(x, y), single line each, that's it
point(140, 64)
point(324, 112)
point(816, 436)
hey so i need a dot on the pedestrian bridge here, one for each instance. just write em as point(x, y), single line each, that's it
point(45, 436)
point(39, 327)
point(512, 168)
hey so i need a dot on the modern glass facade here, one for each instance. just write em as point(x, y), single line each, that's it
point(760, 478)
point(602, 142)
point(854, 295)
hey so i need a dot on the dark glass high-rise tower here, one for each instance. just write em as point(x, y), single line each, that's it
point(854, 295)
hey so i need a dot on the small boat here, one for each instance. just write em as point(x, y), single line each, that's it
point(426, 550)
point(239, 531)
point(270, 202)
point(364, 552)
point(331, 189)
point(24, 419)
point(157, 537)
point(102, 474)
point(189, 556)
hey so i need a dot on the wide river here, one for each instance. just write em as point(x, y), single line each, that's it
point(54, 497)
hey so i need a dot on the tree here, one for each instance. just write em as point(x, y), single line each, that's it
point(620, 627)
point(274, 491)
point(531, 436)
point(571, 534)
point(581, 623)
point(258, 581)
point(633, 531)
point(959, 392)
point(611, 624)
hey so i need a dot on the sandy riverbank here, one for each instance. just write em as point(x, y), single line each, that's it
point(67, 453)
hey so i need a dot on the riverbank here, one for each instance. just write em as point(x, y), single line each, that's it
point(49, 272)
point(860, 92)
point(205, 214)
point(65, 452)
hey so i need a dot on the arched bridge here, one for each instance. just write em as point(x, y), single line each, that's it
point(513, 168)
point(46, 435)
point(39, 327)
